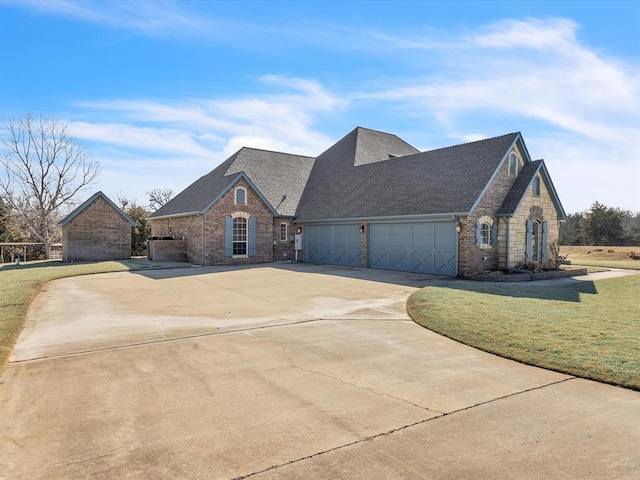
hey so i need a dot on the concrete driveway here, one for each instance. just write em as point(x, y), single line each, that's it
point(286, 371)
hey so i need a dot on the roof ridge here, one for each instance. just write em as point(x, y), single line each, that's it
point(474, 141)
point(380, 131)
point(273, 151)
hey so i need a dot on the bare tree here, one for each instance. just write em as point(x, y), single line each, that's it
point(43, 168)
point(123, 201)
point(159, 197)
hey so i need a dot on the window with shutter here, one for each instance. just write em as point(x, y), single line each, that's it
point(239, 236)
point(483, 234)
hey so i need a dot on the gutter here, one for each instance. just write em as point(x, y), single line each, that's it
point(175, 215)
point(386, 218)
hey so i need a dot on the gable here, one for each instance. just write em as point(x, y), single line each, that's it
point(95, 197)
point(243, 182)
point(278, 178)
point(521, 187)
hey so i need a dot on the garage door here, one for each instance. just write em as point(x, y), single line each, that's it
point(333, 244)
point(414, 247)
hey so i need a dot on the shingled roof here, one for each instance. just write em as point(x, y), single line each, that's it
point(278, 177)
point(351, 182)
point(515, 195)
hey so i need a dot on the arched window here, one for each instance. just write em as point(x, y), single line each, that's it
point(241, 196)
point(484, 234)
point(239, 236)
point(513, 164)
point(536, 186)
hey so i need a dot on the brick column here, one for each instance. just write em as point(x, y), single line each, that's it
point(363, 244)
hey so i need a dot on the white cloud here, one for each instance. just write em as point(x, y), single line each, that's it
point(158, 19)
point(578, 107)
point(145, 144)
point(141, 138)
point(532, 33)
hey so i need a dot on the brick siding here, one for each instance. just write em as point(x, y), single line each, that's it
point(167, 250)
point(190, 227)
point(98, 232)
point(283, 249)
point(471, 257)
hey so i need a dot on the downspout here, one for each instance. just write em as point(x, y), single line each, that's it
point(506, 250)
point(202, 215)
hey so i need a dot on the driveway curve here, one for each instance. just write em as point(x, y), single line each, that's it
point(286, 371)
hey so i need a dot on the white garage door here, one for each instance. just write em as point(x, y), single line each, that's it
point(429, 247)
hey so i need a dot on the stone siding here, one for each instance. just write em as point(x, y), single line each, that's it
point(518, 225)
point(97, 233)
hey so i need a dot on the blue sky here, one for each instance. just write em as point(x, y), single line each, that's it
point(162, 92)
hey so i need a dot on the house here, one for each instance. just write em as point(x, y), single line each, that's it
point(373, 201)
point(241, 212)
point(96, 230)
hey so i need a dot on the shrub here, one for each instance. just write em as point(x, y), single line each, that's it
point(533, 267)
point(557, 258)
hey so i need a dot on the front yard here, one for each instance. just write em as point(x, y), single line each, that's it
point(587, 329)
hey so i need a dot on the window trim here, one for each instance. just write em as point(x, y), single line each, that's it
point(284, 233)
point(486, 232)
point(244, 191)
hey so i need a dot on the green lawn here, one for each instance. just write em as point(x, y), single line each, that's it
point(626, 264)
point(19, 284)
point(587, 329)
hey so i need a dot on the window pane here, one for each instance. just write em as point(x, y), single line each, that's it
point(485, 234)
point(512, 164)
point(239, 236)
point(283, 232)
point(240, 196)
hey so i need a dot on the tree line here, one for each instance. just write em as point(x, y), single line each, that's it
point(140, 215)
point(601, 225)
point(43, 174)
